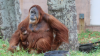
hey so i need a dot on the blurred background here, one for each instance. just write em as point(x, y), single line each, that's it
point(88, 9)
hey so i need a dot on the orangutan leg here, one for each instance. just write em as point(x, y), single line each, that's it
point(43, 45)
point(56, 44)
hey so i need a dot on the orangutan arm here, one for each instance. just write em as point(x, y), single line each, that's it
point(60, 29)
point(14, 41)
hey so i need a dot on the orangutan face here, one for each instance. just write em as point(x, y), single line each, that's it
point(34, 15)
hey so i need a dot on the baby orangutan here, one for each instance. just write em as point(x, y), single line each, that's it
point(20, 36)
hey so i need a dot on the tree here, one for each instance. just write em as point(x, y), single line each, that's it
point(10, 16)
point(65, 12)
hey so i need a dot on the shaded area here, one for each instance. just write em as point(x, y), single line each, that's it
point(89, 47)
point(1, 35)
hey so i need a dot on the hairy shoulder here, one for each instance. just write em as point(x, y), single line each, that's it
point(49, 17)
point(24, 23)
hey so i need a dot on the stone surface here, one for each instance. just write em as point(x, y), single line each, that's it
point(10, 17)
point(65, 12)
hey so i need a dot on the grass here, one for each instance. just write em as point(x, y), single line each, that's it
point(78, 53)
point(4, 52)
point(83, 38)
point(88, 37)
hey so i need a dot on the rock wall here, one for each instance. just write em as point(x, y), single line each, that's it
point(10, 16)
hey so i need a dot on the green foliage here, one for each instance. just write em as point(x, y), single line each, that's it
point(88, 31)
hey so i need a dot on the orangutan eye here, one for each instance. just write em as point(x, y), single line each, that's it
point(32, 12)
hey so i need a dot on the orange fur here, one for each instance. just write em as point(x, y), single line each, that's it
point(43, 41)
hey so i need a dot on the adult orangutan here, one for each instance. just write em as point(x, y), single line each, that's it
point(40, 28)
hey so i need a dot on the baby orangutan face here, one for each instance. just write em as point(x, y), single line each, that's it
point(34, 16)
point(24, 34)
